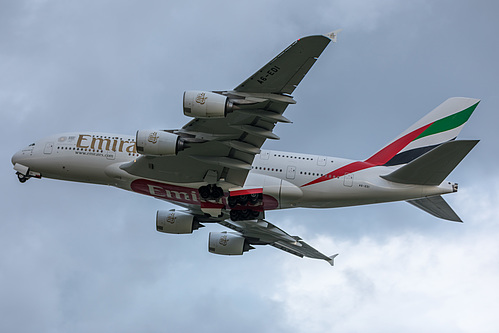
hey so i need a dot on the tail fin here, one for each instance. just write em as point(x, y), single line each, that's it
point(440, 125)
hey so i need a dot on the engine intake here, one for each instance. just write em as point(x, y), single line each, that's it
point(227, 243)
point(158, 143)
point(202, 104)
point(176, 222)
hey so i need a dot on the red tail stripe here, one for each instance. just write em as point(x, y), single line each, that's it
point(387, 153)
point(380, 158)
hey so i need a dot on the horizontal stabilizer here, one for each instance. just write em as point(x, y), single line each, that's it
point(331, 259)
point(434, 166)
point(436, 206)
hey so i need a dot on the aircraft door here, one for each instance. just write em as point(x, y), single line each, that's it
point(291, 172)
point(48, 148)
point(321, 160)
point(348, 180)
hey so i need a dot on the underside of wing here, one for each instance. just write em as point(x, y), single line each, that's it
point(283, 73)
point(230, 127)
point(261, 232)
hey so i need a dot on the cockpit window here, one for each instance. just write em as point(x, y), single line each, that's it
point(31, 145)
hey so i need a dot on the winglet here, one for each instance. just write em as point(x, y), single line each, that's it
point(333, 35)
point(331, 259)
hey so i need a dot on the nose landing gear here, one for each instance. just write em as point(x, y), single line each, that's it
point(22, 178)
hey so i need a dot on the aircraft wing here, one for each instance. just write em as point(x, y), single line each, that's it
point(261, 232)
point(224, 148)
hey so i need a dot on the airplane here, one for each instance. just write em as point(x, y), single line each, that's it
point(215, 169)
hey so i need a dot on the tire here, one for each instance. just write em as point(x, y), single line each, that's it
point(204, 192)
point(232, 202)
point(216, 192)
point(245, 214)
point(243, 199)
point(22, 178)
point(235, 215)
point(254, 198)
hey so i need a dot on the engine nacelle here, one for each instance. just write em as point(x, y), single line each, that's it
point(202, 104)
point(176, 222)
point(158, 143)
point(227, 243)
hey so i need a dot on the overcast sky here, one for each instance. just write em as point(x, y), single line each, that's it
point(87, 258)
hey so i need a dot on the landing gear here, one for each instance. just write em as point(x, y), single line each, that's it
point(254, 198)
point(211, 192)
point(246, 207)
point(245, 200)
point(242, 207)
point(244, 214)
point(22, 178)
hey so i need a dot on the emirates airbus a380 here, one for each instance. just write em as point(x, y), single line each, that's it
point(214, 167)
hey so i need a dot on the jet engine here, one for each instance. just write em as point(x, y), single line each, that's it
point(227, 243)
point(176, 222)
point(158, 143)
point(202, 104)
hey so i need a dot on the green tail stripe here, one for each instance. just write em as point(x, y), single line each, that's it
point(449, 122)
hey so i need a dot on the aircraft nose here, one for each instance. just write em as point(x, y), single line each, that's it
point(16, 158)
point(23, 155)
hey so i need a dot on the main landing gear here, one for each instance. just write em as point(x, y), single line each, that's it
point(211, 192)
point(242, 207)
point(246, 206)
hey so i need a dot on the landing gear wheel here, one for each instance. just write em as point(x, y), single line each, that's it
point(204, 192)
point(253, 198)
point(243, 199)
point(245, 214)
point(217, 192)
point(232, 202)
point(22, 178)
point(235, 215)
point(211, 192)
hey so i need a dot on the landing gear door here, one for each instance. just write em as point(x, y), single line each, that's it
point(48, 148)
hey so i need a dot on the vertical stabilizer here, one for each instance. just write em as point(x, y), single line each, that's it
point(441, 125)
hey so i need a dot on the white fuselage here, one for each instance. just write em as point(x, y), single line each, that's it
point(291, 179)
